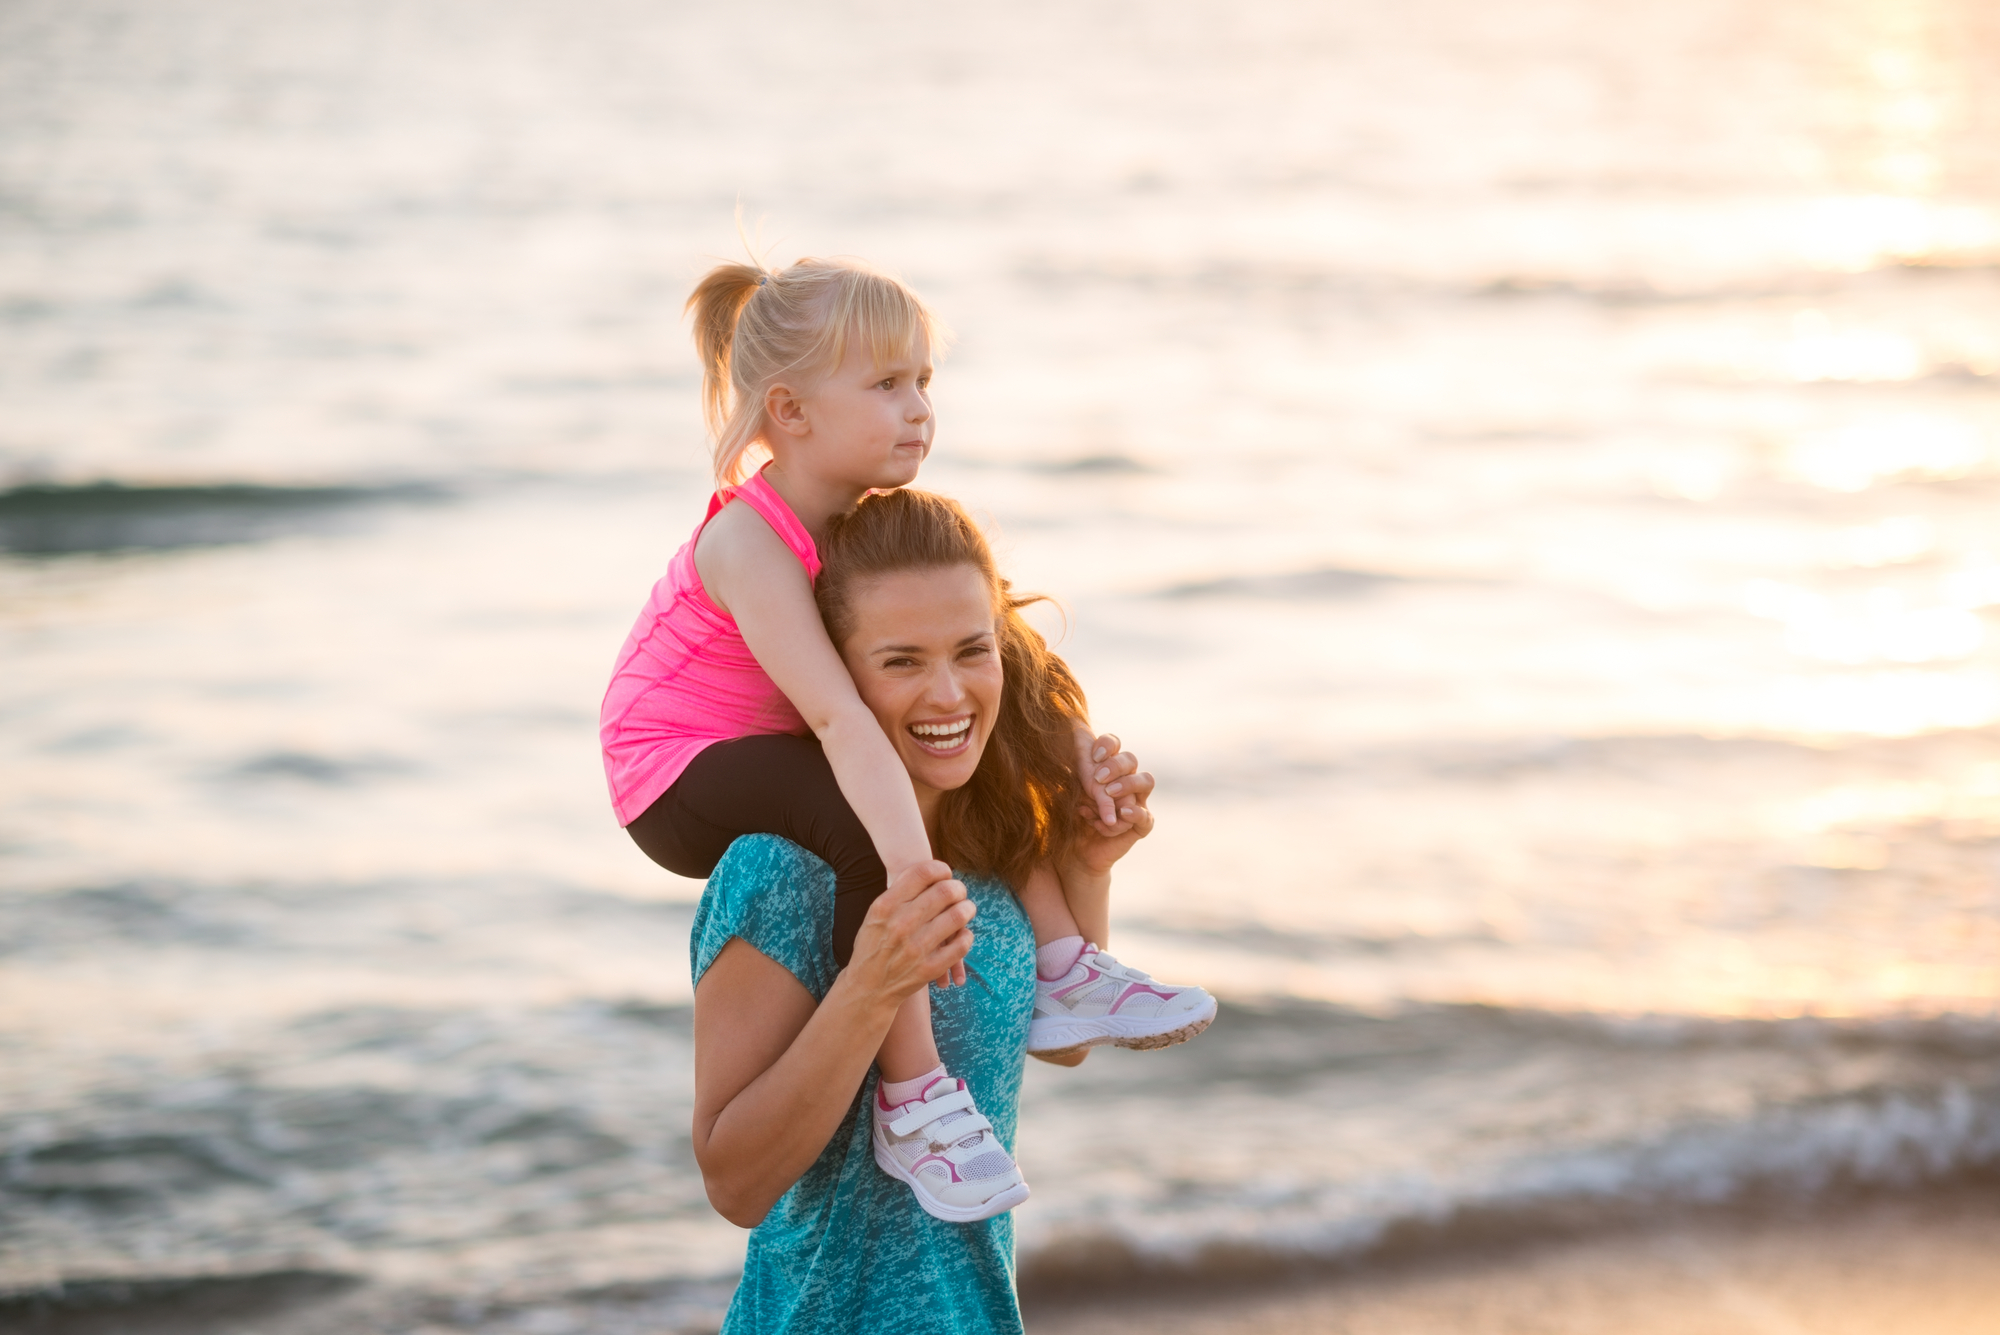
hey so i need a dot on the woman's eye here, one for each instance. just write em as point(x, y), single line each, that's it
point(977, 651)
point(899, 662)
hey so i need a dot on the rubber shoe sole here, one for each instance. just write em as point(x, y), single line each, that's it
point(1064, 1037)
point(951, 1214)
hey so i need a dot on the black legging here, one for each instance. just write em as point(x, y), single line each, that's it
point(768, 784)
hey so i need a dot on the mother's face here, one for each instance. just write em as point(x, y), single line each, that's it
point(925, 659)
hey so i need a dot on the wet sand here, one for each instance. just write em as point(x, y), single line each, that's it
point(1900, 1267)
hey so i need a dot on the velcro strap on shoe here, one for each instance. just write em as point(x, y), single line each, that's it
point(925, 1113)
point(964, 1127)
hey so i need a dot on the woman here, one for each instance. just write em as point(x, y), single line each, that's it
point(784, 1039)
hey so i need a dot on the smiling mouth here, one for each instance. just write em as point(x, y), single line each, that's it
point(943, 739)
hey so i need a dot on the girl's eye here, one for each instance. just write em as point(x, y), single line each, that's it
point(890, 383)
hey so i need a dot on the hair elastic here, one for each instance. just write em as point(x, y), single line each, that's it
point(762, 279)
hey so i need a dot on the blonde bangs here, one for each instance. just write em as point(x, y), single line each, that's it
point(880, 314)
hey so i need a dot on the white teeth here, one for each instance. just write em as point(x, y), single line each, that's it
point(941, 730)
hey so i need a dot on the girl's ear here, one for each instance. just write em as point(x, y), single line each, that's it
point(785, 410)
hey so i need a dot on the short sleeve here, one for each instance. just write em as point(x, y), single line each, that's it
point(848, 1248)
point(779, 899)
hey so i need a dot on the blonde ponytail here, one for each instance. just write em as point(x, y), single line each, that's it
point(753, 327)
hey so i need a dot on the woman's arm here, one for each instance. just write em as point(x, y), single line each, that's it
point(774, 1073)
point(750, 573)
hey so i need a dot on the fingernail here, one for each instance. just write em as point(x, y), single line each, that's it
point(1098, 754)
point(1102, 775)
point(1115, 789)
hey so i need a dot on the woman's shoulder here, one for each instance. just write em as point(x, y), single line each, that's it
point(777, 897)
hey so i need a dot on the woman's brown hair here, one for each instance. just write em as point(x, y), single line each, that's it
point(1020, 806)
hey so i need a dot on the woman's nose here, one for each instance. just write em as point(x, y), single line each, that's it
point(944, 691)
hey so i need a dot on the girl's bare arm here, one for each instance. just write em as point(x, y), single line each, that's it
point(750, 573)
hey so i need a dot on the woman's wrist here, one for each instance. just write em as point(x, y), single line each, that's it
point(870, 1006)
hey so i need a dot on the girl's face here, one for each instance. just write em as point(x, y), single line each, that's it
point(926, 661)
point(868, 424)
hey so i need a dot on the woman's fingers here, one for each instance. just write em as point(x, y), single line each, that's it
point(912, 881)
point(916, 930)
point(1115, 767)
point(1128, 782)
point(1090, 753)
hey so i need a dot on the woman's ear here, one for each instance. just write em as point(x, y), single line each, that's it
point(785, 410)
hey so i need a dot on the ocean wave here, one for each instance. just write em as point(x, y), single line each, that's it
point(1323, 582)
point(47, 519)
point(1210, 278)
point(1632, 756)
point(1818, 1152)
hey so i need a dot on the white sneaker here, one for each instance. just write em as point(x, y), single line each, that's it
point(1102, 1001)
point(946, 1151)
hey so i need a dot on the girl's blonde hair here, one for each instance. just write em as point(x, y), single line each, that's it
point(754, 326)
point(1020, 806)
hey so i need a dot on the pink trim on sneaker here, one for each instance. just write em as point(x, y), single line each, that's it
point(895, 1093)
point(1133, 991)
point(949, 1167)
point(1090, 976)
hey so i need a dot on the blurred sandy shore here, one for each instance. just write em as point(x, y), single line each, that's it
point(1906, 1267)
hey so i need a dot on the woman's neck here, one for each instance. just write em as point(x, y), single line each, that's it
point(814, 500)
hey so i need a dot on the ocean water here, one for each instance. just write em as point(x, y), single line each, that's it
point(1523, 477)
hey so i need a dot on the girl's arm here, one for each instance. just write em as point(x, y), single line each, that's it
point(1084, 877)
point(1086, 872)
point(774, 1073)
point(750, 573)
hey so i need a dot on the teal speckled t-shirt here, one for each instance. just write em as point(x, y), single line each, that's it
point(848, 1248)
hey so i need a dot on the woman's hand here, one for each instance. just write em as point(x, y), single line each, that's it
point(918, 924)
point(1119, 782)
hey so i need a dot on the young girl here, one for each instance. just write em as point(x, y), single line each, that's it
point(731, 713)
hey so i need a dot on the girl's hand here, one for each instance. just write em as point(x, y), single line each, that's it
point(1127, 788)
point(915, 932)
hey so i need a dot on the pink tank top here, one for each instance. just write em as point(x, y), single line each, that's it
point(685, 680)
